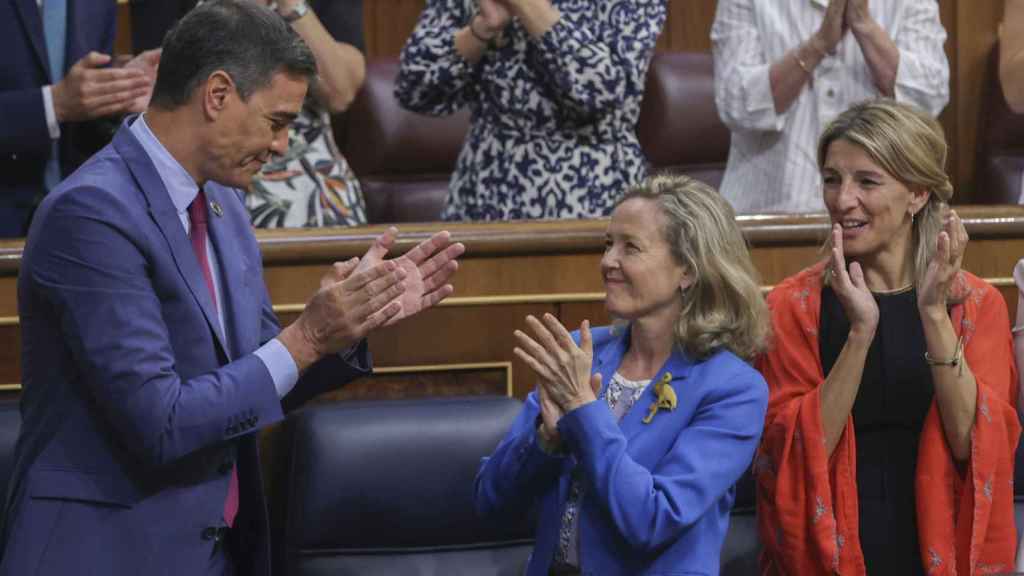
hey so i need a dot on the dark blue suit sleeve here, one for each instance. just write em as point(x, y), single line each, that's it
point(651, 508)
point(23, 127)
point(98, 278)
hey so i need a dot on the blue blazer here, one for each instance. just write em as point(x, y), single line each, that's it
point(24, 137)
point(657, 496)
point(135, 406)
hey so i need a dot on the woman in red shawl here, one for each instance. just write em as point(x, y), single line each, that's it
point(891, 421)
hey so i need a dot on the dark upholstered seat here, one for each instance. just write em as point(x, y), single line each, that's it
point(405, 160)
point(742, 546)
point(386, 487)
point(10, 424)
point(679, 129)
point(1000, 144)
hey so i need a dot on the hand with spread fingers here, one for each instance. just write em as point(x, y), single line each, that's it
point(349, 304)
point(944, 265)
point(851, 289)
point(91, 90)
point(563, 367)
point(427, 267)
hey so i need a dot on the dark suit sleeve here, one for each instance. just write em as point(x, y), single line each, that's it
point(343, 19)
point(152, 19)
point(23, 127)
point(91, 265)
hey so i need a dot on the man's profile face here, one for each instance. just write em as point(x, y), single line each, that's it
point(249, 131)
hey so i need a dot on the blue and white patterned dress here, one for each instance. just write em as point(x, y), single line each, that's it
point(553, 130)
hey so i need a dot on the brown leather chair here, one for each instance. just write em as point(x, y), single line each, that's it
point(403, 160)
point(679, 128)
point(1001, 144)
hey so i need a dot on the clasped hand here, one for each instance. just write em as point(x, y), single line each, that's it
point(562, 366)
point(840, 16)
point(361, 294)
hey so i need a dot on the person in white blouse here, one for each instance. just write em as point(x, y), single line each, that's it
point(785, 68)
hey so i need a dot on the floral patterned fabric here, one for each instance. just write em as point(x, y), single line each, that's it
point(621, 395)
point(311, 185)
point(807, 501)
point(553, 131)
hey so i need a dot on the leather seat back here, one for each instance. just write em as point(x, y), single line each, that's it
point(386, 487)
point(404, 160)
point(1000, 145)
point(679, 128)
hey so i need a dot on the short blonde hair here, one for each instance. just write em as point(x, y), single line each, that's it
point(911, 146)
point(723, 307)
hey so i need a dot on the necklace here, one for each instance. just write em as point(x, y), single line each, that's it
point(906, 288)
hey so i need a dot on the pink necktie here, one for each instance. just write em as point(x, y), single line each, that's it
point(197, 213)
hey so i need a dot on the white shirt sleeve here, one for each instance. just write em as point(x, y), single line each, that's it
point(51, 113)
point(743, 91)
point(922, 77)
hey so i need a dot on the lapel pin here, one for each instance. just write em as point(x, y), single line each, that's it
point(666, 397)
point(215, 206)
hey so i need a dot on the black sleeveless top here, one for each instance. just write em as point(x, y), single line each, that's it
point(893, 399)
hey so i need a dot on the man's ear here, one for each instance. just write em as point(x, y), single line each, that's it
point(218, 90)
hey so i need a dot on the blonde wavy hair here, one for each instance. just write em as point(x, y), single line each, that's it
point(723, 307)
point(911, 146)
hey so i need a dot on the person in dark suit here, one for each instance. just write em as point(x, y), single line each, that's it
point(54, 79)
point(151, 354)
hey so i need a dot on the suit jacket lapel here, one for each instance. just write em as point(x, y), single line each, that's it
point(32, 20)
point(166, 217)
point(678, 364)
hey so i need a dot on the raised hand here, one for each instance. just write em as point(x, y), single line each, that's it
point(550, 414)
point(148, 62)
point(563, 367)
point(90, 91)
point(851, 289)
point(833, 27)
point(944, 265)
point(857, 15)
point(349, 304)
point(427, 269)
point(495, 15)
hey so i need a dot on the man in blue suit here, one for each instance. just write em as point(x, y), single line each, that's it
point(151, 355)
point(52, 82)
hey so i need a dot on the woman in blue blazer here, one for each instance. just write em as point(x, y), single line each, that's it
point(636, 433)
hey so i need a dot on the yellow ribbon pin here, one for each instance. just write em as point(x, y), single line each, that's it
point(666, 397)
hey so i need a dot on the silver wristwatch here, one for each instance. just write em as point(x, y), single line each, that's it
point(297, 11)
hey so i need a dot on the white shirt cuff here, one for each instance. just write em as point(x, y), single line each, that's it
point(280, 364)
point(51, 114)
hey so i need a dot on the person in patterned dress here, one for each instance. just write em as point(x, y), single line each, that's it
point(554, 87)
point(891, 424)
point(636, 434)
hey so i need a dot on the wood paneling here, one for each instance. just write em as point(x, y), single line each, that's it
point(514, 269)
